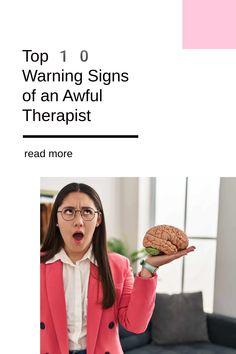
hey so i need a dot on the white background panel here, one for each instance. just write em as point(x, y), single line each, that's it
point(180, 102)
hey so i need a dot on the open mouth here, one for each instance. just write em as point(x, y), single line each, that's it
point(78, 236)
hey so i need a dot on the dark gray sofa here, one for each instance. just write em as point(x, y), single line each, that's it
point(221, 332)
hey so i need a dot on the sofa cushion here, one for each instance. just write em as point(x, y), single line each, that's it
point(197, 348)
point(179, 318)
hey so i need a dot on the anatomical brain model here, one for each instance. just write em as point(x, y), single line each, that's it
point(164, 239)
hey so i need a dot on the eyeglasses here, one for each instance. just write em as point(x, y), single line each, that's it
point(69, 213)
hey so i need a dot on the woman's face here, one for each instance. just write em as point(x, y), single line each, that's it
point(77, 233)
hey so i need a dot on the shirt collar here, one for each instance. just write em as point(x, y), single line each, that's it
point(62, 256)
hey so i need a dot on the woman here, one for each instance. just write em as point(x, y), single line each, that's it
point(86, 291)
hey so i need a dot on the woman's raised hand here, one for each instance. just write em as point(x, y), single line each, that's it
point(160, 260)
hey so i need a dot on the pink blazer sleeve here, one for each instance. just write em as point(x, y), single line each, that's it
point(137, 300)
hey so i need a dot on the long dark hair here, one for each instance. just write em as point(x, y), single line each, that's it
point(54, 242)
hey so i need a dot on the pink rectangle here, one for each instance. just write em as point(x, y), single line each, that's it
point(209, 24)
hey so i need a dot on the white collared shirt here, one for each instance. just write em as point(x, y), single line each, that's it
point(76, 277)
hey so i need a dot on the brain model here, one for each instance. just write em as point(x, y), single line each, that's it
point(164, 239)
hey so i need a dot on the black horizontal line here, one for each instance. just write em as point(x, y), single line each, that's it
point(79, 136)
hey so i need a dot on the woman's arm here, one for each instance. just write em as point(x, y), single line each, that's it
point(137, 299)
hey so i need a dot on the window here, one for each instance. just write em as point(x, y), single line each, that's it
point(190, 204)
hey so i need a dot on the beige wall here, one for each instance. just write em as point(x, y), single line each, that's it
point(225, 279)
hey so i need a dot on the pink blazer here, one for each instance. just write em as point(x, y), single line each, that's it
point(132, 309)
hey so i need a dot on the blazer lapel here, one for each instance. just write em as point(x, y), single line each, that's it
point(56, 299)
point(95, 296)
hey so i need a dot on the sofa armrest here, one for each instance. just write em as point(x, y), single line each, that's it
point(131, 340)
point(222, 330)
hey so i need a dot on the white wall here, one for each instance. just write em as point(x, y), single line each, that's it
point(225, 280)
